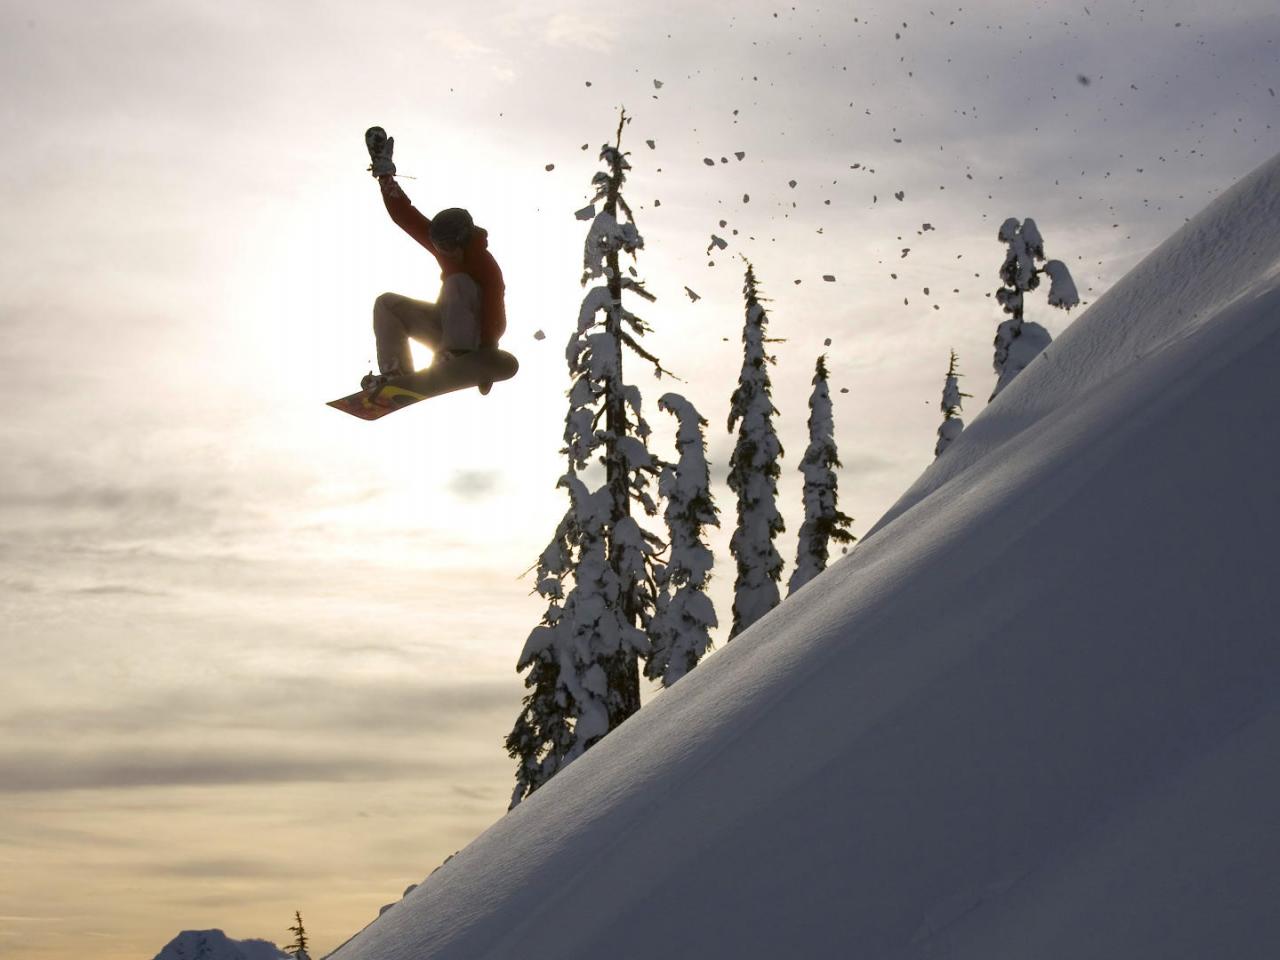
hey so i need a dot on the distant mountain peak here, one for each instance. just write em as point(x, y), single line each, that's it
point(216, 945)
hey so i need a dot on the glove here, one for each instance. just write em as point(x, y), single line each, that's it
point(382, 165)
point(380, 150)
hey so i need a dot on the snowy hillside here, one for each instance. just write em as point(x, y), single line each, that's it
point(216, 945)
point(1036, 713)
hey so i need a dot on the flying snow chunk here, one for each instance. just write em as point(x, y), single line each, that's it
point(657, 84)
point(708, 161)
point(692, 296)
point(925, 226)
point(550, 167)
point(586, 213)
point(716, 242)
point(539, 335)
point(741, 155)
point(746, 198)
point(830, 278)
point(826, 342)
point(650, 144)
point(900, 194)
point(791, 184)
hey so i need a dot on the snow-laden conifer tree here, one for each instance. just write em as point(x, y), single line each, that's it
point(951, 426)
point(1018, 342)
point(680, 631)
point(587, 648)
point(593, 631)
point(753, 473)
point(822, 521)
point(543, 733)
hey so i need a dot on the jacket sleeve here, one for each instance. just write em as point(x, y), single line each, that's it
point(405, 214)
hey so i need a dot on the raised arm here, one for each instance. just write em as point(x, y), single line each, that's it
point(408, 217)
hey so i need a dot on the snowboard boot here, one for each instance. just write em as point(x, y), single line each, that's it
point(444, 356)
point(373, 382)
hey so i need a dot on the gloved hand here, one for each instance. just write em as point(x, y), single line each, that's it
point(380, 149)
point(382, 166)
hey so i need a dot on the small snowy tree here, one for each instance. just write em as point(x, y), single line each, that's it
point(543, 733)
point(753, 473)
point(584, 656)
point(298, 949)
point(594, 632)
point(1017, 342)
point(822, 521)
point(951, 426)
point(680, 631)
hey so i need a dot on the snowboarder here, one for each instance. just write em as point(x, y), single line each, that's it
point(470, 311)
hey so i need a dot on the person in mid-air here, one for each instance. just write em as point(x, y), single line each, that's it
point(470, 312)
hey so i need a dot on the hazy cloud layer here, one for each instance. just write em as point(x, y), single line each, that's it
point(317, 706)
point(27, 771)
point(244, 635)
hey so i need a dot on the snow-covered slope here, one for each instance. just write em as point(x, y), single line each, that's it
point(216, 945)
point(1035, 714)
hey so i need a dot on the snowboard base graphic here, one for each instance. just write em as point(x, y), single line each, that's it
point(447, 376)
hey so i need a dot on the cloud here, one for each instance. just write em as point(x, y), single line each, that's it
point(50, 770)
point(861, 464)
point(118, 589)
point(460, 45)
point(473, 484)
point(221, 868)
point(295, 706)
point(568, 30)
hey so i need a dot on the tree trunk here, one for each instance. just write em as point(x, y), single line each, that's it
point(623, 669)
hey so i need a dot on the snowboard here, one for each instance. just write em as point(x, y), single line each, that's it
point(486, 365)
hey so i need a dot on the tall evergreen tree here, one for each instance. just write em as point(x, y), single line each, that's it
point(587, 647)
point(299, 946)
point(952, 426)
point(1018, 342)
point(753, 472)
point(823, 522)
point(680, 631)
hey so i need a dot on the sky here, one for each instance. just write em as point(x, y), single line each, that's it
point(258, 656)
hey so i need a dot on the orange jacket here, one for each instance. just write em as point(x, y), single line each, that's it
point(477, 261)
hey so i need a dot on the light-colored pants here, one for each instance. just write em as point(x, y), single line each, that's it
point(451, 324)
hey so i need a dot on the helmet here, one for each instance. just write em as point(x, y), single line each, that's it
point(451, 227)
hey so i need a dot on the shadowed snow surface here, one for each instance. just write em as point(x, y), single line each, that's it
point(1036, 713)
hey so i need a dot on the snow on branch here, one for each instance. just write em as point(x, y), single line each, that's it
point(823, 522)
point(1017, 343)
point(680, 631)
point(952, 425)
point(607, 236)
